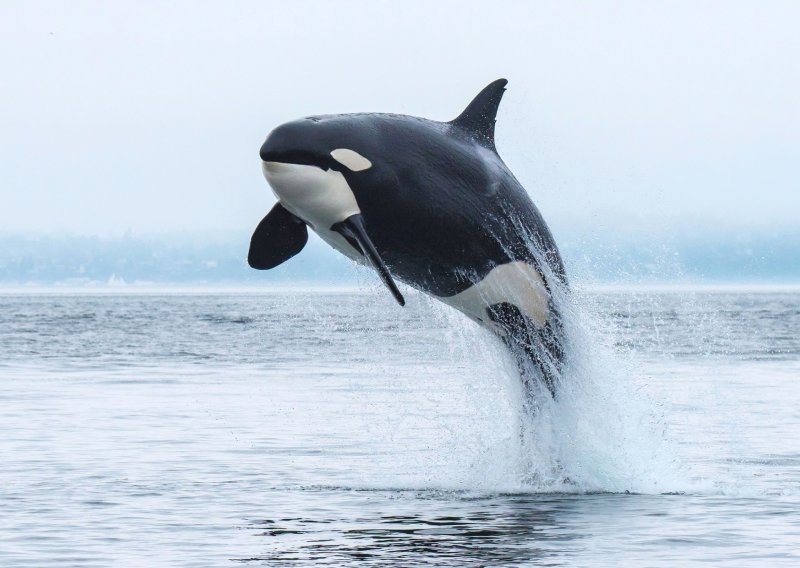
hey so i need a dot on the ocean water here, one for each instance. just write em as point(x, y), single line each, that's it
point(311, 428)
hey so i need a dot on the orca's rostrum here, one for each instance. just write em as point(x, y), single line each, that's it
point(428, 203)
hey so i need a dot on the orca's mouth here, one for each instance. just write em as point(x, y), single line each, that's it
point(298, 158)
point(275, 167)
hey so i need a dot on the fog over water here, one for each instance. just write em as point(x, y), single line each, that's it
point(219, 259)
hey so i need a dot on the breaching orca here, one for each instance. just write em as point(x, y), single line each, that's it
point(428, 203)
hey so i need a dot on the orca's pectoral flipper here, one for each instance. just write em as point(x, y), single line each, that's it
point(278, 237)
point(353, 230)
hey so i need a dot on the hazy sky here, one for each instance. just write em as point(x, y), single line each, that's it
point(149, 115)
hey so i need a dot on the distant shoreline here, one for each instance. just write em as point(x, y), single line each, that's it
point(308, 288)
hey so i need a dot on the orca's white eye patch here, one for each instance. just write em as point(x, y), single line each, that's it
point(352, 159)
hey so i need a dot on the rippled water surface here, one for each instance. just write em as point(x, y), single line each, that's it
point(189, 429)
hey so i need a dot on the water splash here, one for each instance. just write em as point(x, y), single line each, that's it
point(602, 433)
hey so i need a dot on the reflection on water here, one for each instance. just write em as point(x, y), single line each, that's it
point(480, 531)
point(425, 528)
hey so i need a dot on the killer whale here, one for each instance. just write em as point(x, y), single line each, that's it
point(428, 203)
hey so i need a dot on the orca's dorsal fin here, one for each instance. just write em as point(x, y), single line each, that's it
point(479, 117)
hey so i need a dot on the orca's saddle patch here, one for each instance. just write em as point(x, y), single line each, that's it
point(278, 237)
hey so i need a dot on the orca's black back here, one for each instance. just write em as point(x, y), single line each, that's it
point(442, 209)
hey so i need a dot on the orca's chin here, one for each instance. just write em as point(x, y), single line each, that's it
point(320, 197)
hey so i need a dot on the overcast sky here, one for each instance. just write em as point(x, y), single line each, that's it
point(149, 115)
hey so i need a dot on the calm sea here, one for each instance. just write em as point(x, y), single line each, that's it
point(293, 428)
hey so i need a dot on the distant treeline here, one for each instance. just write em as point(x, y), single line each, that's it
point(220, 259)
point(688, 257)
point(182, 259)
